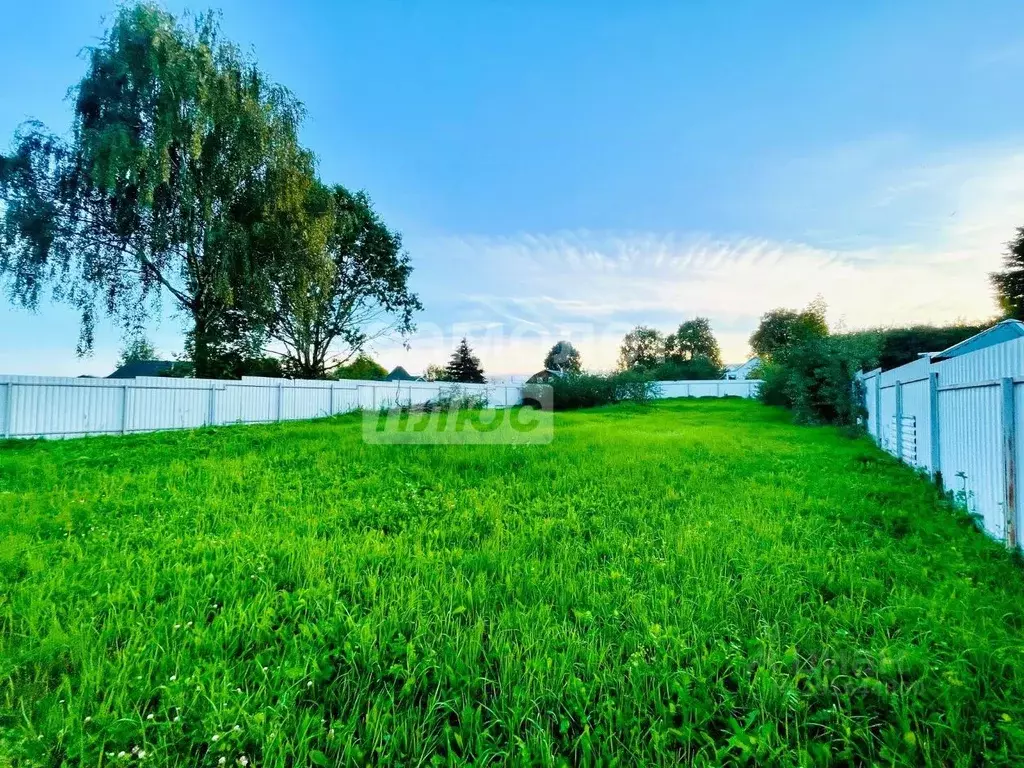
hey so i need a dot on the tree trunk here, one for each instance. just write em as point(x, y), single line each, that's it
point(202, 357)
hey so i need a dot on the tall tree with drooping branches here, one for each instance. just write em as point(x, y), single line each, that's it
point(177, 166)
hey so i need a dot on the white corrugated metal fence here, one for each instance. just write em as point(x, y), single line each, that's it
point(48, 406)
point(958, 419)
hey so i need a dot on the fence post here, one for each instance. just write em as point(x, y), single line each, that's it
point(934, 433)
point(8, 409)
point(878, 408)
point(1009, 419)
point(124, 408)
point(212, 415)
point(899, 420)
point(280, 398)
point(331, 406)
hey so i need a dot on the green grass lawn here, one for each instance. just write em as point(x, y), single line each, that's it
point(690, 581)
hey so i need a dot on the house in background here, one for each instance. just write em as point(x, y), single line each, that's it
point(143, 368)
point(542, 377)
point(743, 371)
point(400, 374)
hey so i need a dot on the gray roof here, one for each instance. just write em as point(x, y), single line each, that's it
point(1007, 330)
point(400, 374)
point(142, 368)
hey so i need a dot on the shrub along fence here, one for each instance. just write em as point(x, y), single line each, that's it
point(958, 419)
point(56, 407)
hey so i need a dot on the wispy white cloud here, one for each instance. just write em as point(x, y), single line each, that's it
point(937, 230)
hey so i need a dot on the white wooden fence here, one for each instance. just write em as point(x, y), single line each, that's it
point(45, 406)
point(958, 420)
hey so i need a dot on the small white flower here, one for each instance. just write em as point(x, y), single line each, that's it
point(309, 684)
point(266, 668)
point(88, 719)
point(222, 761)
point(176, 719)
point(215, 737)
point(173, 678)
point(142, 754)
point(188, 625)
point(122, 754)
point(238, 727)
point(238, 690)
point(177, 626)
point(243, 760)
point(149, 716)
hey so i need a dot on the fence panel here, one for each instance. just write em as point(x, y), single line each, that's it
point(153, 404)
point(916, 411)
point(709, 388)
point(971, 455)
point(887, 417)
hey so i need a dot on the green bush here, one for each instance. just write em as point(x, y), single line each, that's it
point(816, 378)
point(898, 346)
point(587, 390)
point(697, 369)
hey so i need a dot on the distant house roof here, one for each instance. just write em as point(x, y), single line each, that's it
point(546, 375)
point(1007, 330)
point(142, 368)
point(734, 366)
point(400, 374)
point(742, 369)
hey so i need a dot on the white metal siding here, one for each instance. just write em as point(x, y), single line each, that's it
point(45, 406)
point(995, 362)
point(971, 451)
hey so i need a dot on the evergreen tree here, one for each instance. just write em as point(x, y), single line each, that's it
point(464, 366)
point(1009, 283)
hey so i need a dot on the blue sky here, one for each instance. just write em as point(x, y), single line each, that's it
point(575, 170)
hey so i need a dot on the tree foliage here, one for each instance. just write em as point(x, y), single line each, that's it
point(435, 372)
point(586, 390)
point(699, 368)
point(693, 339)
point(897, 346)
point(783, 328)
point(1009, 282)
point(464, 366)
point(364, 368)
point(136, 350)
point(168, 178)
point(353, 286)
point(563, 356)
point(816, 378)
point(643, 347)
